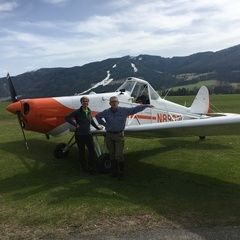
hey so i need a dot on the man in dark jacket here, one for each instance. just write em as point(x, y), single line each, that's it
point(82, 119)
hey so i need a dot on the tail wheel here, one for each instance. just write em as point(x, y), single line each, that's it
point(202, 137)
point(60, 152)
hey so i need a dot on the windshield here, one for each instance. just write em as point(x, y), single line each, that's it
point(127, 86)
point(141, 92)
point(153, 94)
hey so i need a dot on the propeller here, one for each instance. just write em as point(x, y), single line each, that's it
point(12, 89)
point(18, 112)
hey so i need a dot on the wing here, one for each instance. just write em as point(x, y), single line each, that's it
point(219, 125)
point(228, 124)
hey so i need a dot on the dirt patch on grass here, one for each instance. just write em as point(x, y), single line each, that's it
point(107, 226)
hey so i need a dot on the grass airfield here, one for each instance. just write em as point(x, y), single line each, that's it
point(169, 182)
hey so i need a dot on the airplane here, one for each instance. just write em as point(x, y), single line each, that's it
point(165, 119)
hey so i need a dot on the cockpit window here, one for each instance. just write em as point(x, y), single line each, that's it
point(127, 86)
point(140, 93)
point(153, 94)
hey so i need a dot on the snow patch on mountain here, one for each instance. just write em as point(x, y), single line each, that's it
point(115, 65)
point(104, 82)
point(134, 67)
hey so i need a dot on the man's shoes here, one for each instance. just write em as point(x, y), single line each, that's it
point(114, 169)
point(121, 166)
point(84, 169)
point(84, 166)
point(92, 171)
point(115, 174)
point(120, 175)
point(121, 170)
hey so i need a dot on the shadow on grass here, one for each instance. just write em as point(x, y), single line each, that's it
point(182, 197)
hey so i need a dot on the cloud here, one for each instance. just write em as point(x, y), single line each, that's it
point(166, 28)
point(56, 2)
point(39, 24)
point(148, 16)
point(8, 6)
point(121, 4)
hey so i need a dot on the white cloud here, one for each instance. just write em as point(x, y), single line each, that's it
point(103, 25)
point(8, 6)
point(56, 2)
point(121, 4)
point(39, 24)
point(166, 28)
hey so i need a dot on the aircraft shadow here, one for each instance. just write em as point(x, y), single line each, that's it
point(189, 197)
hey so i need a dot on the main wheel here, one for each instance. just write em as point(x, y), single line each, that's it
point(59, 151)
point(104, 164)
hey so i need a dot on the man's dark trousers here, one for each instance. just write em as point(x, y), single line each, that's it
point(82, 141)
point(115, 145)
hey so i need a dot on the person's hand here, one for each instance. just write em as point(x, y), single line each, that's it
point(100, 127)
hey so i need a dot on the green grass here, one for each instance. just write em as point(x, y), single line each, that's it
point(180, 180)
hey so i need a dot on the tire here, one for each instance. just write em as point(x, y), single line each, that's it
point(59, 153)
point(104, 164)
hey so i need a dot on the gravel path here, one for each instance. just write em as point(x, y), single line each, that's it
point(203, 233)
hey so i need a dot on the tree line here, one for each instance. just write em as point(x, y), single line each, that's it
point(221, 89)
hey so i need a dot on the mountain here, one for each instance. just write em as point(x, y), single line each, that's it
point(222, 66)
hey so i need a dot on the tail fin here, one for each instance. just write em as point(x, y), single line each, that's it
point(201, 102)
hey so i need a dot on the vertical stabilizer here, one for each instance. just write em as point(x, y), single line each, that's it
point(201, 102)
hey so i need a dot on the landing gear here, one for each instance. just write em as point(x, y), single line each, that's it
point(103, 162)
point(62, 149)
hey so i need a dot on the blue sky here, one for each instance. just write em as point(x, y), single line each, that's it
point(65, 33)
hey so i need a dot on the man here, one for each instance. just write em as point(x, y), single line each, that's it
point(81, 119)
point(115, 119)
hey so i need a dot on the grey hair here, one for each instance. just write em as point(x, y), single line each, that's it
point(114, 97)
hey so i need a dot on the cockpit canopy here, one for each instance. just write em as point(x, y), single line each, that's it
point(141, 91)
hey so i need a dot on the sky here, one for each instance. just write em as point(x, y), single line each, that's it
point(65, 33)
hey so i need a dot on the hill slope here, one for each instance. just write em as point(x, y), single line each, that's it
point(223, 66)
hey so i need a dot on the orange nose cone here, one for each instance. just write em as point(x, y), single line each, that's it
point(14, 107)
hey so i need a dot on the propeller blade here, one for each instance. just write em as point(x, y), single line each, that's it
point(12, 89)
point(21, 126)
point(14, 99)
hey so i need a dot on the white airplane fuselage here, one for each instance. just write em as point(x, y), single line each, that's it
point(47, 115)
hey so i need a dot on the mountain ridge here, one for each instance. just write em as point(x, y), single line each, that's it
point(161, 72)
